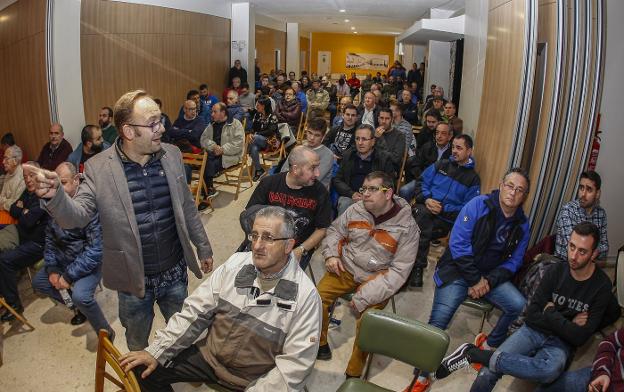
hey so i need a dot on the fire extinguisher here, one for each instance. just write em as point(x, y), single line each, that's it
point(593, 156)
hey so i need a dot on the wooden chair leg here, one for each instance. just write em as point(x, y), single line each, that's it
point(17, 315)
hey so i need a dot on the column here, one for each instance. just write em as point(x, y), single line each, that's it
point(292, 48)
point(243, 43)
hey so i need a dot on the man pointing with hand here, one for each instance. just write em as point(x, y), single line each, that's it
point(147, 214)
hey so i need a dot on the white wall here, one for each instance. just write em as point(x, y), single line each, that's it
point(475, 42)
point(610, 159)
point(439, 65)
point(67, 73)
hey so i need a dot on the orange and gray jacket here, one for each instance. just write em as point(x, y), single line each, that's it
point(257, 341)
point(379, 256)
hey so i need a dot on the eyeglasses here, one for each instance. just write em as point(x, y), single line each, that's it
point(155, 126)
point(362, 139)
point(267, 239)
point(372, 189)
point(511, 188)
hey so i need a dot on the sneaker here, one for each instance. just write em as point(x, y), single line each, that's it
point(212, 192)
point(456, 361)
point(479, 341)
point(417, 386)
point(416, 278)
point(258, 174)
point(324, 353)
point(78, 318)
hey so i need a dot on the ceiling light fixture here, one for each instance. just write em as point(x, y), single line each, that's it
point(346, 20)
point(352, 27)
point(355, 32)
point(342, 10)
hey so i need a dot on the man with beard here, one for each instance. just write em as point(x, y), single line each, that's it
point(148, 217)
point(585, 208)
point(299, 192)
point(92, 144)
point(342, 137)
point(390, 139)
point(109, 132)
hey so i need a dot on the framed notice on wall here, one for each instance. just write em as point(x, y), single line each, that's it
point(367, 61)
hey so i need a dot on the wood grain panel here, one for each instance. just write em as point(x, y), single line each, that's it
point(501, 91)
point(24, 108)
point(546, 32)
point(267, 40)
point(304, 45)
point(164, 51)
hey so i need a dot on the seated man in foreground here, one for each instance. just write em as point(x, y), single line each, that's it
point(565, 312)
point(73, 261)
point(487, 243)
point(262, 314)
point(369, 251)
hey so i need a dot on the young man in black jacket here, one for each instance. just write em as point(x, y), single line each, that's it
point(565, 312)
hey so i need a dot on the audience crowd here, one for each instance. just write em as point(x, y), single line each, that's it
point(369, 172)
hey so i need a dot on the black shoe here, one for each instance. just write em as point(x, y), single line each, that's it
point(78, 318)
point(458, 359)
point(324, 353)
point(8, 316)
point(416, 277)
point(259, 173)
point(212, 192)
point(435, 243)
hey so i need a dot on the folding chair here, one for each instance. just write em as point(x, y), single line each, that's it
point(420, 345)
point(18, 316)
point(401, 176)
point(197, 162)
point(348, 297)
point(107, 353)
point(244, 172)
point(482, 306)
point(301, 128)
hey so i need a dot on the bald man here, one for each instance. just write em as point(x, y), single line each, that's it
point(186, 131)
point(56, 150)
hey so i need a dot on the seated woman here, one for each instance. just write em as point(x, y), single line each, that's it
point(264, 130)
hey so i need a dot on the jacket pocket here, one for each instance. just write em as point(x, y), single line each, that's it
point(115, 270)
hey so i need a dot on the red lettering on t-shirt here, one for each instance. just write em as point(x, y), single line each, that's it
point(288, 200)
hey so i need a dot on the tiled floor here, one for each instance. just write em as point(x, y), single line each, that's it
point(60, 357)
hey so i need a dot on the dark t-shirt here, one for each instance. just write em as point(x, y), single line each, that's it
point(494, 252)
point(309, 206)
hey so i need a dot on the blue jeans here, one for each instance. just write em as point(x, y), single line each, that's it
point(528, 355)
point(82, 293)
point(258, 144)
point(137, 314)
point(574, 381)
point(408, 191)
point(506, 297)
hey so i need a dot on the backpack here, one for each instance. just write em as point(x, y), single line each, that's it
point(530, 282)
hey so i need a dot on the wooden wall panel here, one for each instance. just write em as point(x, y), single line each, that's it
point(501, 91)
point(546, 32)
point(164, 51)
point(24, 108)
point(267, 40)
point(304, 46)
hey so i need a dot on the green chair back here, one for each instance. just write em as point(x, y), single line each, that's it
point(420, 345)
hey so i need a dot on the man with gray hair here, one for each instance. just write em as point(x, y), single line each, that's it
point(306, 199)
point(13, 185)
point(21, 244)
point(262, 314)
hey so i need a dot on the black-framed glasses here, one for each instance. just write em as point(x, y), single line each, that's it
point(512, 188)
point(267, 239)
point(155, 126)
point(372, 189)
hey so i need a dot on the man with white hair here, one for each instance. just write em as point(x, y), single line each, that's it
point(13, 179)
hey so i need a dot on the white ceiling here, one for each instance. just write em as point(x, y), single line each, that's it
point(389, 17)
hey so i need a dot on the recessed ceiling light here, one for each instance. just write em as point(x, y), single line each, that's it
point(346, 20)
point(355, 32)
point(352, 27)
point(342, 10)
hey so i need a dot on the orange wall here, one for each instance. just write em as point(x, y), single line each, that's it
point(341, 44)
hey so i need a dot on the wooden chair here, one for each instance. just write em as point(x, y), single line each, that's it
point(301, 128)
point(107, 353)
point(244, 172)
point(197, 162)
point(401, 177)
point(18, 316)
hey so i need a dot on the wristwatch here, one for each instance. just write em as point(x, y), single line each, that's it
point(304, 252)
